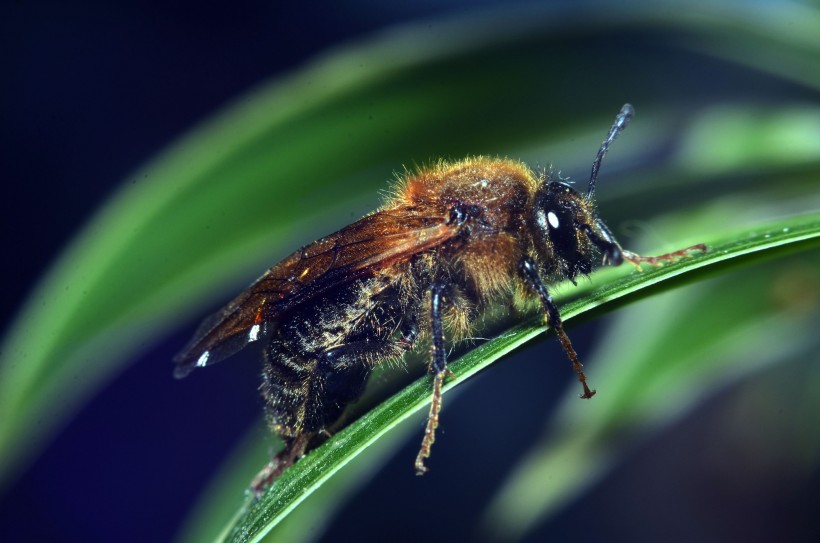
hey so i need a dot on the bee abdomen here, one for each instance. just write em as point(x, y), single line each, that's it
point(307, 394)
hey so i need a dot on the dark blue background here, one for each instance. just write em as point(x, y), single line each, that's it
point(92, 90)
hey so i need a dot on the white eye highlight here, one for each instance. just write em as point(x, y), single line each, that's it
point(553, 219)
point(253, 334)
point(203, 359)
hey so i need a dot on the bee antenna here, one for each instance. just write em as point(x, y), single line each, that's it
point(623, 118)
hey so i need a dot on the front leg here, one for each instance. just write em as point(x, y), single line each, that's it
point(530, 273)
point(438, 366)
point(614, 254)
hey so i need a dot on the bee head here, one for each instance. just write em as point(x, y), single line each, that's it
point(565, 220)
point(561, 218)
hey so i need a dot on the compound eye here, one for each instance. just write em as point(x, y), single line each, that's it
point(561, 231)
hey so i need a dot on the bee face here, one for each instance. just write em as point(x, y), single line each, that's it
point(560, 217)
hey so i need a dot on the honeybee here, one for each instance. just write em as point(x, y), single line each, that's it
point(452, 240)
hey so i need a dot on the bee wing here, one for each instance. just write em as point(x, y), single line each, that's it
point(363, 248)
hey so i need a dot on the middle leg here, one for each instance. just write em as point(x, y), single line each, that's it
point(438, 366)
point(529, 271)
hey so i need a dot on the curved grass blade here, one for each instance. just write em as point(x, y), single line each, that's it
point(657, 370)
point(631, 200)
point(793, 234)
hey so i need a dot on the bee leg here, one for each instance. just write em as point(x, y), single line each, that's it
point(614, 254)
point(339, 378)
point(530, 273)
point(293, 451)
point(439, 368)
point(605, 241)
point(409, 332)
point(636, 259)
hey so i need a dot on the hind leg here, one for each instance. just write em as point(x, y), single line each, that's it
point(293, 451)
point(305, 395)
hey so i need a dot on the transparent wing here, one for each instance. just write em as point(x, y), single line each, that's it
point(364, 248)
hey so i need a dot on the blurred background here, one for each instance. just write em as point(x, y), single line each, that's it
point(157, 158)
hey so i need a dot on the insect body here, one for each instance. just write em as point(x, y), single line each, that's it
point(454, 239)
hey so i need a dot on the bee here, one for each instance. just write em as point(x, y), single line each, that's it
point(453, 239)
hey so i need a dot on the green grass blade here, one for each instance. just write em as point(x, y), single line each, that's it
point(793, 234)
point(217, 511)
point(658, 362)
